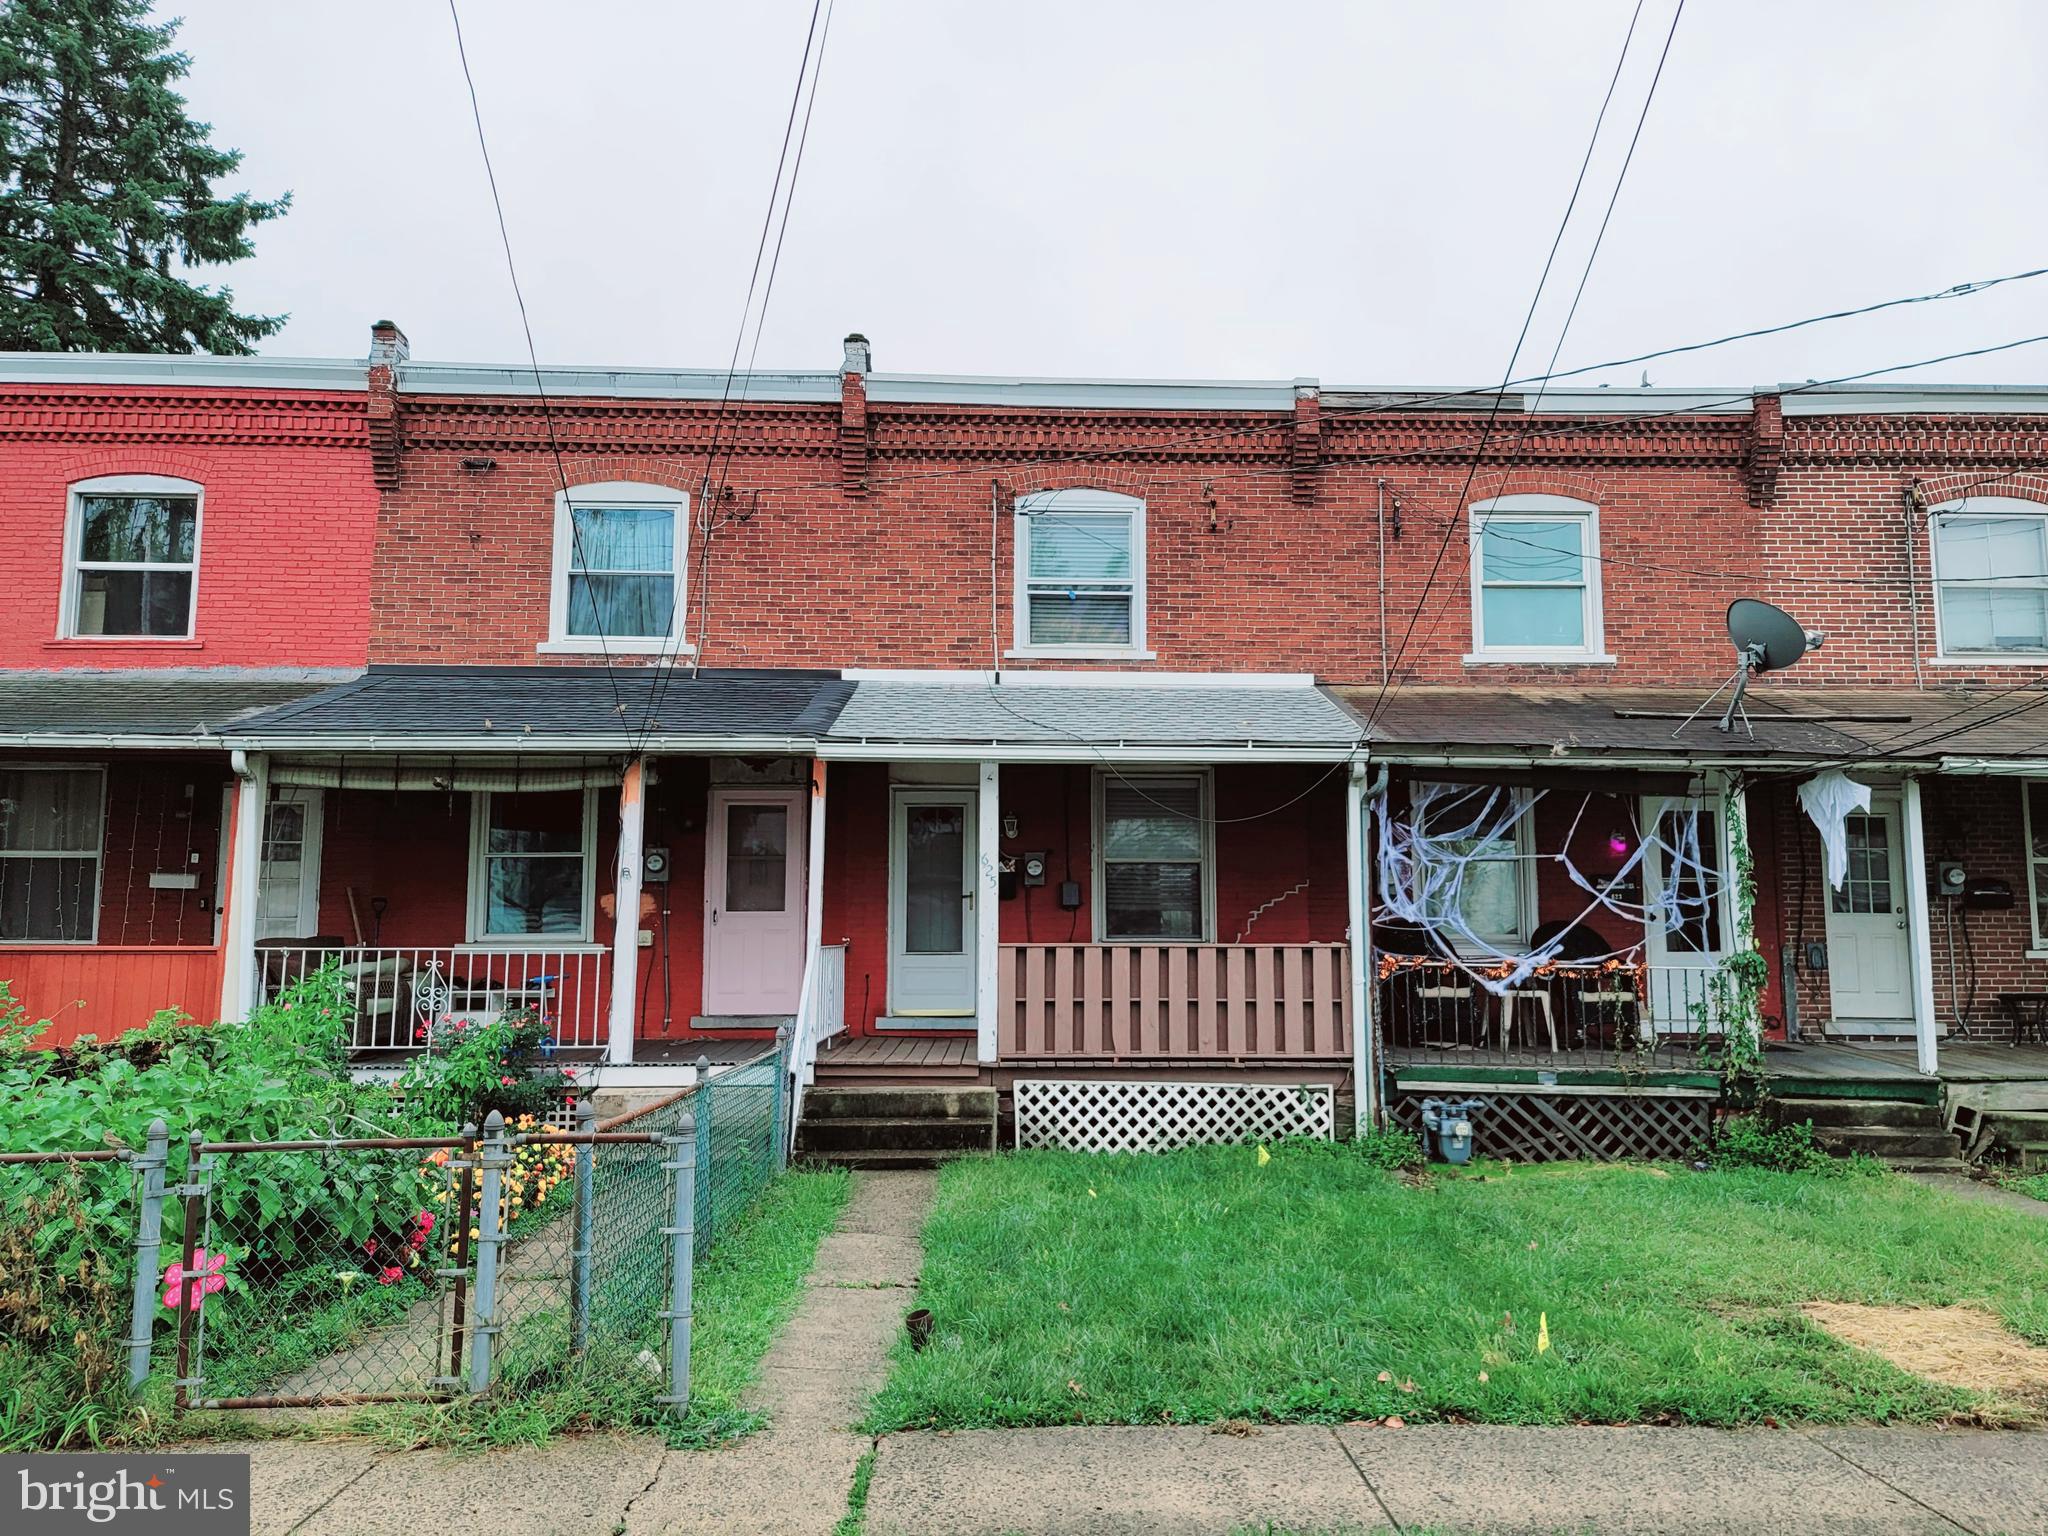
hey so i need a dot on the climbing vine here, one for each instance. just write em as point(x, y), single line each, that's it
point(1734, 993)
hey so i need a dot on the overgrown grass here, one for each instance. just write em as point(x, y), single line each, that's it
point(1200, 1286)
point(745, 1289)
point(2034, 1184)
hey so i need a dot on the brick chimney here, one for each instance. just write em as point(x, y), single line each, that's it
point(388, 345)
point(853, 416)
point(388, 348)
point(859, 357)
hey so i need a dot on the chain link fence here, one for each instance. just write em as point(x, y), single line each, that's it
point(344, 1271)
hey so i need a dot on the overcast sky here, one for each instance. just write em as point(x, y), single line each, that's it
point(1361, 193)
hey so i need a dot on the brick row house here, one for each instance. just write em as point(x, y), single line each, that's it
point(1131, 742)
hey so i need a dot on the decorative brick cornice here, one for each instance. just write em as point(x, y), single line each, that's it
point(1764, 449)
point(1915, 442)
point(99, 416)
point(1393, 437)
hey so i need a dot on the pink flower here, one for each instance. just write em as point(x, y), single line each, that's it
point(390, 1274)
point(506, 1081)
point(206, 1278)
point(426, 1221)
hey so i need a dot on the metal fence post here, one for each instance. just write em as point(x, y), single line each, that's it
point(703, 1110)
point(483, 1329)
point(195, 1193)
point(682, 1235)
point(778, 1154)
point(149, 1239)
point(579, 1247)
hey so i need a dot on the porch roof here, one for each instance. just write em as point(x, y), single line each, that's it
point(1833, 725)
point(1073, 719)
point(156, 707)
point(525, 709)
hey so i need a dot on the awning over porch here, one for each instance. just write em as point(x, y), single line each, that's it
point(155, 707)
point(1792, 726)
point(1017, 718)
point(533, 709)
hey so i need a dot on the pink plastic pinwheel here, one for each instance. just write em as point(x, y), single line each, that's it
point(205, 1278)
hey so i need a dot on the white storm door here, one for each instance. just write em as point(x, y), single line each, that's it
point(1683, 880)
point(753, 902)
point(288, 879)
point(931, 902)
point(1870, 964)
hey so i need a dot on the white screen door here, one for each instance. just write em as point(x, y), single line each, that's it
point(288, 881)
point(931, 903)
point(1684, 866)
point(753, 902)
point(1869, 959)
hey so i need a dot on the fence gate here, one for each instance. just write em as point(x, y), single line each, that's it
point(323, 1273)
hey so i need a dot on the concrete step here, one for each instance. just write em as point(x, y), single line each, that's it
point(878, 1158)
point(1889, 1114)
point(768, 1021)
point(823, 1102)
point(847, 1133)
point(1884, 1142)
point(1954, 1165)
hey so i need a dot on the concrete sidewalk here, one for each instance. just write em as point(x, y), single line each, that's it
point(1198, 1482)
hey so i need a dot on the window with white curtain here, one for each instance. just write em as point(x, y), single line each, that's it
point(1490, 884)
point(1991, 577)
point(131, 558)
point(1153, 864)
point(1080, 586)
point(1536, 580)
point(620, 562)
point(50, 827)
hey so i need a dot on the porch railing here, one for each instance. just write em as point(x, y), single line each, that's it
point(820, 1014)
point(395, 994)
point(1623, 1014)
point(1182, 1002)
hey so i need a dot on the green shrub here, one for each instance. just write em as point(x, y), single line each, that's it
point(470, 1069)
point(1747, 1141)
point(1377, 1147)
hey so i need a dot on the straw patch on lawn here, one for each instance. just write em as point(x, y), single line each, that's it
point(1956, 1346)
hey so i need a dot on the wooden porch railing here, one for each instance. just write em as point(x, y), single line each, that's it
point(1182, 1002)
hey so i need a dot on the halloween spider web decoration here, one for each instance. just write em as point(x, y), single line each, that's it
point(1427, 854)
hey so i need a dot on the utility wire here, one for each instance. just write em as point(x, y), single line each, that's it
point(533, 361)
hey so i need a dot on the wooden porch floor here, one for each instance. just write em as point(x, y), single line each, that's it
point(1957, 1063)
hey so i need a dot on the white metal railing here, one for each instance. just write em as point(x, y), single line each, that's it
point(397, 994)
point(820, 1014)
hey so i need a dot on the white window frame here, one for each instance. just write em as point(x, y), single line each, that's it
point(1996, 507)
point(1205, 783)
point(479, 882)
point(1525, 882)
point(74, 538)
point(1077, 501)
point(99, 854)
point(2036, 892)
point(1538, 509)
point(616, 493)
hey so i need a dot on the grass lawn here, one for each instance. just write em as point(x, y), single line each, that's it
point(744, 1290)
point(1198, 1286)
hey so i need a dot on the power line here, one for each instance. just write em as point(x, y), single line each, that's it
point(533, 360)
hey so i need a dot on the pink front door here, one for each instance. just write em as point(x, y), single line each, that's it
point(753, 902)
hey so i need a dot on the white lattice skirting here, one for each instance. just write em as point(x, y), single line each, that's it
point(1148, 1116)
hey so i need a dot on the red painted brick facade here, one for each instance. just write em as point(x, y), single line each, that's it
point(286, 519)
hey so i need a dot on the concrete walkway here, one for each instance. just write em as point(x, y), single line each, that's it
point(1981, 1193)
point(1198, 1482)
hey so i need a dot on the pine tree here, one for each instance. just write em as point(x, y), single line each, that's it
point(106, 189)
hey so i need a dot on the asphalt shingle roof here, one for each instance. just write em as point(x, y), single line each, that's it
point(558, 702)
point(144, 704)
point(1158, 716)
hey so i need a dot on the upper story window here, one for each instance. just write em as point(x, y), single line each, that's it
point(1991, 577)
point(131, 558)
point(530, 864)
point(1154, 864)
point(50, 823)
point(1536, 580)
point(620, 560)
point(1080, 575)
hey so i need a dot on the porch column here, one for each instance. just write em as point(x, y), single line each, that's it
point(245, 873)
point(1734, 854)
point(814, 872)
point(987, 909)
point(1358, 862)
point(1919, 930)
point(626, 915)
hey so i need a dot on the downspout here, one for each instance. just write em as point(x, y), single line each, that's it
point(1911, 498)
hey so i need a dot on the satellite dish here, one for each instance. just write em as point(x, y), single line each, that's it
point(1768, 638)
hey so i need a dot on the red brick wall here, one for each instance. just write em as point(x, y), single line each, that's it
point(287, 518)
